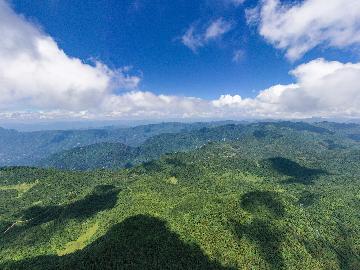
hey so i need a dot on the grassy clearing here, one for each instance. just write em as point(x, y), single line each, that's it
point(81, 242)
point(20, 188)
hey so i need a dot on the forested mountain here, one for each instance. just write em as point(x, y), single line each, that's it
point(94, 156)
point(27, 148)
point(261, 196)
point(50, 148)
point(114, 156)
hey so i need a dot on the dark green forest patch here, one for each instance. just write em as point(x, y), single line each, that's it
point(296, 172)
point(139, 242)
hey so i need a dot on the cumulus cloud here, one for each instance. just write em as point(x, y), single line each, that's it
point(35, 73)
point(195, 38)
point(147, 104)
point(323, 88)
point(298, 28)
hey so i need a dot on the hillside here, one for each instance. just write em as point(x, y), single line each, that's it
point(94, 156)
point(115, 156)
point(28, 148)
point(277, 197)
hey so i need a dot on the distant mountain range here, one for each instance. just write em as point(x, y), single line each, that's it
point(27, 148)
point(118, 155)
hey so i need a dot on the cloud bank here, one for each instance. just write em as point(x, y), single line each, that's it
point(300, 27)
point(322, 88)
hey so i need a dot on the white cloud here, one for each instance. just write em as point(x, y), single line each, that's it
point(235, 2)
point(300, 27)
point(35, 73)
point(216, 29)
point(195, 38)
point(146, 104)
point(238, 56)
point(228, 100)
point(191, 39)
point(322, 88)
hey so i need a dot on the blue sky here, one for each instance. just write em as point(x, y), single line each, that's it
point(146, 35)
point(145, 41)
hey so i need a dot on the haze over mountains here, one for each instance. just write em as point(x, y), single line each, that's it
point(117, 147)
point(26, 148)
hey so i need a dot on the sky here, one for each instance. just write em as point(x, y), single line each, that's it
point(183, 59)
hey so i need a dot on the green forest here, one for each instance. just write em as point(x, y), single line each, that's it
point(265, 195)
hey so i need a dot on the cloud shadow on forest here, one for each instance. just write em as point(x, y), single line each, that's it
point(265, 207)
point(139, 242)
point(102, 198)
point(296, 172)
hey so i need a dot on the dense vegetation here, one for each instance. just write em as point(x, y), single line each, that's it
point(117, 155)
point(261, 196)
point(27, 148)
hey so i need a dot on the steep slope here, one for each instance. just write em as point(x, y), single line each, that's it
point(281, 200)
point(349, 130)
point(94, 156)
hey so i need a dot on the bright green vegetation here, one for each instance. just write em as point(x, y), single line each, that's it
point(79, 243)
point(94, 156)
point(269, 196)
point(20, 188)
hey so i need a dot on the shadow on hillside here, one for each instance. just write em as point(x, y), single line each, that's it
point(308, 199)
point(103, 197)
point(139, 242)
point(176, 162)
point(266, 237)
point(266, 207)
point(296, 172)
point(263, 203)
point(184, 171)
point(261, 134)
point(331, 145)
point(152, 166)
point(354, 137)
point(348, 258)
